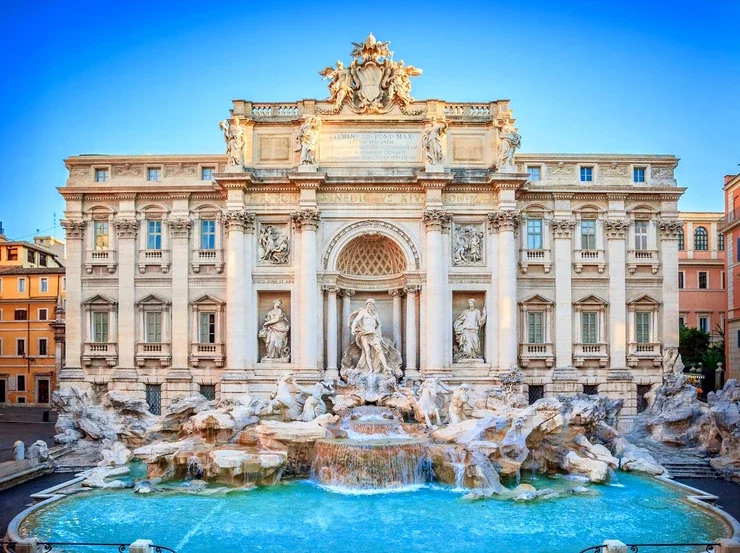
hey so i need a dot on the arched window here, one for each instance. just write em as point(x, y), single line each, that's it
point(701, 240)
point(681, 244)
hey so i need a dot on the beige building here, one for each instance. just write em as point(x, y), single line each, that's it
point(174, 262)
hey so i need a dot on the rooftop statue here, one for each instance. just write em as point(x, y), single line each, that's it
point(235, 141)
point(373, 82)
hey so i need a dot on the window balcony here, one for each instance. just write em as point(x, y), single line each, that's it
point(156, 258)
point(644, 351)
point(158, 351)
point(583, 258)
point(541, 353)
point(637, 258)
point(96, 258)
point(208, 257)
point(200, 351)
point(107, 351)
point(590, 352)
point(535, 257)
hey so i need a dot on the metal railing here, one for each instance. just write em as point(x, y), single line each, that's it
point(635, 547)
point(49, 546)
point(729, 218)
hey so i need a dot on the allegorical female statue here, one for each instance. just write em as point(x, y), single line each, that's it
point(467, 332)
point(275, 334)
point(308, 139)
point(510, 141)
point(432, 142)
point(234, 138)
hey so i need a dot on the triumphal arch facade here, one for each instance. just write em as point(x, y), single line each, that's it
point(371, 237)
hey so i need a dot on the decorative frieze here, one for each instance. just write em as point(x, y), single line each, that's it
point(238, 220)
point(180, 170)
point(561, 169)
point(126, 228)
point(616, 228)
point(563, 228)
point(670, 228)
point(436, 219)
point(128, 170)
point(180, 228)
point(73, 228)
point(613, 170)
point(306, 219)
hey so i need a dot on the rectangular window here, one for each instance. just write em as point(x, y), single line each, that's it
point(20, 399)
point(534, 234)
point(681, 280)
point(43, 346)
point(589, 328)
point(153, 323)
point(588, 235)
point(207, 328)
point(642, 327)
point(64, 283)
point(703, 280)
point(42, 259)
point(20, 382)
point(13, 253)
point(44, 285)
point(638, 174)
point(208, 391)
point(724, 284)
point(21, 315)
point(738, 249)
point(31, 256)
point(100, 326)
point(100, 234)
point(153, 174)
point(738, 338)
point(534, 173)
point(641, 235)
point(101, 175)
point(535, 328)
point(154, 235)
point(587, 174)
point(20, 346)
point(591, 389)
point(43, 314)
point(154, 398)
point(21, 285)
point(721, 242)
point(704, 324)
point(208, 234)
point(681, 321)
point(535, 392)
point(206, 173)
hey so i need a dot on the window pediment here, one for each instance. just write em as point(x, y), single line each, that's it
point(644, 301)
point(591, 300)
point(537, 300)
point(100, 301)
point(208, 300)
point(153, 301)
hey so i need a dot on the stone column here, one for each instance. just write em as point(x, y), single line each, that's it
point(508, 343)
point(180, 335)
point(346, 312)
point(397, 316)
point(616, 232)
point(435, 289)
point(491, 328)
point(307, 220)
point(563, 323)
point(72, 373)
point(234, 379)
point(126, 235)
point(669, 230)
point(412, 372)
point(332, 332)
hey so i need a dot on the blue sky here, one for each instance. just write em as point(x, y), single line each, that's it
point(156, 77)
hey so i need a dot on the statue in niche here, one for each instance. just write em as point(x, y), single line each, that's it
point(308, 139)
point(235, 141)
point(468, 245)
point(467, 333)
point(273, 245)
point(510, 141)
point(432, 141)
point(371, 363)
point(275, 334)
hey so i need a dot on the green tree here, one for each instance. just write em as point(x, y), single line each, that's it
point(693, 343)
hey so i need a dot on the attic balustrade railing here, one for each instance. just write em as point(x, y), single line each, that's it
point(637, 547)
point(50, 546)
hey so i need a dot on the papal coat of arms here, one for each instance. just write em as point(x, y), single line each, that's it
point(373, 82)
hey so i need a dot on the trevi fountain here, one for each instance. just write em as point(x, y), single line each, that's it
point(388, 438)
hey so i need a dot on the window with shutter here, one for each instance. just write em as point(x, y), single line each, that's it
point(153, 321)
point(100, 327)
point(642, 327)
point(535, 324)
point(589, 332)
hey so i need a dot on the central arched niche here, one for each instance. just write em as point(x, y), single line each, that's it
point(371, 255)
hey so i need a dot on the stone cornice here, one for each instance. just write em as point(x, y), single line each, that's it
point(434, 181)
point(307, 180)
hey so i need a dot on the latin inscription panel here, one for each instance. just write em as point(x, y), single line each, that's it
point(370, 147)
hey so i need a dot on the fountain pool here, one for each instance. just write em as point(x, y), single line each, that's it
point(300, 516)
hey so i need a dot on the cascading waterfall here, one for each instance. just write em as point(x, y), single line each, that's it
point(194, 468)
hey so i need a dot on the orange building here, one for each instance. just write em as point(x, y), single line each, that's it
point(32, 289)
point(730, 227)
point(702, 282)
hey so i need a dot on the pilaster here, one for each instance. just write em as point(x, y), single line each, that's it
point(72, 372)
point(563, 234)
point(180, 336)
point(669, 230)
point(616, 233)
point(507, 222)
point(307, 222)
point(126, 229)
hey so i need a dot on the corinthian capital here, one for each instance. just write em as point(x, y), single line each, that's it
point(306, 219)
point(126, 228)
point(73, 228)
point(563, 228)
point(507, 219)
point(436, 219)
point(238, 220)
point(670, 228)
point(616, 228)
point(180, 228)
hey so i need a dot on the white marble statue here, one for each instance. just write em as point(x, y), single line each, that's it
point(274, 245)
point(282, 399)
point(314, 405)
point(275, 334)
point(460, 399)
point(399, 83)
point(432, 141)
point(367, 332)
point(234, 137)
point(308, 139)
point(426, 402)
point(467, 333)
point(510, 141)
point(340, 85)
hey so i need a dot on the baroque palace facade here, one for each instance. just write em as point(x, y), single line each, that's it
point(221, 273)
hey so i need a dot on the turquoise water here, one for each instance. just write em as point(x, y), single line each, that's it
point(301, 517)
